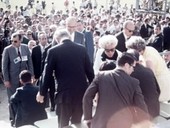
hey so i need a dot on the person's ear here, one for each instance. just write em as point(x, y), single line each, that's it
point(21, 81)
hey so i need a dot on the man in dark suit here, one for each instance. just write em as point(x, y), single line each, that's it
point(166, 33)
point(52, 83)
point(146, 29)
point(148, 84)
point(24, 104)
point(125, 34)
point(156, 40)
point(72, 68)
point(89, 44)
point(119, 94)
point(71, 26)
point(37, 54)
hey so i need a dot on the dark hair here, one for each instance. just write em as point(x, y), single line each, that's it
point(25, 76)
point(16, 35)
point(126, 58)
point(133, 52)
point(107, 66)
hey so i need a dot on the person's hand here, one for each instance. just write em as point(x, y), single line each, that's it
point(34, 81)
point(7, 84)
point(88, 123)
point(39, 98)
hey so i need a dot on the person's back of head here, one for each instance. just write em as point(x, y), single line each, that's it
point(126, 58)
point(137, 43)
point(134, 53)
point(25, 76)
point(61, 34)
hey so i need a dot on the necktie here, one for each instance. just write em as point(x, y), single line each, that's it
point(19, 53)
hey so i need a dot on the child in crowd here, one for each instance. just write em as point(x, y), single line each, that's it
point(26, 109)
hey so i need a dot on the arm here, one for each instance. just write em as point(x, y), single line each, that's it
point(97, 61)
point(46, 77)
point(88, 99)
point(5, 67)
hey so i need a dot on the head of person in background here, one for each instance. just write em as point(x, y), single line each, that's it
point(53, 28)
point(157, 29)
point(108, 43)
point(42, 38)
point(61, 34)
point(29, 34)
point(128, 28)
point(31, 44)
point(16, 40)
point(166, 56)
point(71, 24)
point(25, 27)
point(80, 25)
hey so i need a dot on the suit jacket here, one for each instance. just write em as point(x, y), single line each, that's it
point(72, 68)
point(11, 68)
point(149, 87)
point(36, 60)
point(79, 38)
point(89, 44)
point(156, 42)
point(27, 110)
point(111, 108)
point(166, 33)
point(144, 31)
point(52, 81)
point(35, 36)
point(121, 42)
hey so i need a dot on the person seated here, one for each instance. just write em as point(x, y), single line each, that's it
point(26, 109)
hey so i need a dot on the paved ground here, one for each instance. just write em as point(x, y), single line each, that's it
point(3, 107)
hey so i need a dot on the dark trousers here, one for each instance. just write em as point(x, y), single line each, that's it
point(69, 112)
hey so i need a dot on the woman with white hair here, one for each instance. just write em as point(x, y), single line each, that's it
point(107, 51)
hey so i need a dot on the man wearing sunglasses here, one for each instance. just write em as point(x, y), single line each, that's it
point(124, 35)
point(15, 58)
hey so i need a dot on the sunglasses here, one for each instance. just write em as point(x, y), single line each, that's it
point(15, 41)
point(110, 50)
point(130, 30)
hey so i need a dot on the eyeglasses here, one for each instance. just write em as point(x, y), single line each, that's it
point(29, 34)
point(132, 66)
point(130, 30)
point(71, 26)
point(15, 41)
point(110, 50)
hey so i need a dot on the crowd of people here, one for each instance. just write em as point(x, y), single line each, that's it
point(63, 56)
